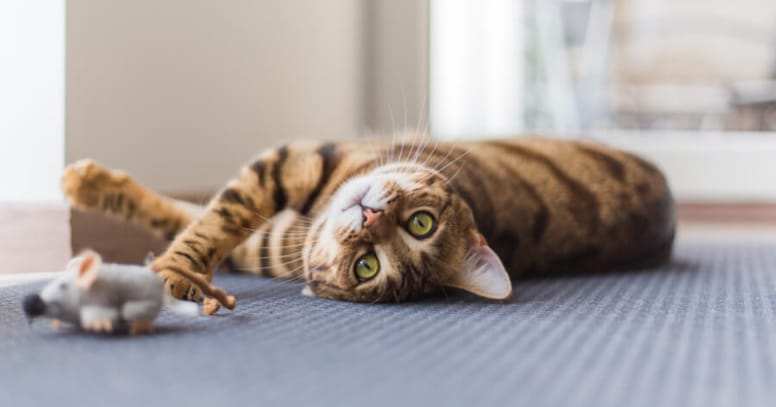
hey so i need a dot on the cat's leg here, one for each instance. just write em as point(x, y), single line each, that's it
point(271, 251)
point(288, 177)
point(89, 186)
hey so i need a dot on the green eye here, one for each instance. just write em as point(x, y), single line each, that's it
point(367, 267)
point(421, 224)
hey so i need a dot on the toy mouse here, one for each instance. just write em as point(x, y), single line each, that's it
point(103, 297)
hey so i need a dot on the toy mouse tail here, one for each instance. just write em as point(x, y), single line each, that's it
point(187, 308)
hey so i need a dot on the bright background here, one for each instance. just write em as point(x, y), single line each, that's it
point(179, 92)
point(32, 99)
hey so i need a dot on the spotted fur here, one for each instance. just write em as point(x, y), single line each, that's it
point(526, 206)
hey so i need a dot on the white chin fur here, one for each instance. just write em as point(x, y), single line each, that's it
point(307, 292)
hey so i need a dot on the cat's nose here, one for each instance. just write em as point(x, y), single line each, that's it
point(370, 216)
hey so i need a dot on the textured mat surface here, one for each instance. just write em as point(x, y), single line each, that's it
point(701, 332)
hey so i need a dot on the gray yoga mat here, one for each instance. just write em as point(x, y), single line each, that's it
point(699, 332)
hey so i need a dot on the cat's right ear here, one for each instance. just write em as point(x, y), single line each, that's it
point(482, 273)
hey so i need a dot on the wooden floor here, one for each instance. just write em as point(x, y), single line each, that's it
point(35, 239)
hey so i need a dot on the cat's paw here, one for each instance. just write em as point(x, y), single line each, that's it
point(179, 286)
point(86, 182)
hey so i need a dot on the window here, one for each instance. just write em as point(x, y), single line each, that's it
point(690, 84)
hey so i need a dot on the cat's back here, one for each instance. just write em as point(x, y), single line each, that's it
point(570, 205)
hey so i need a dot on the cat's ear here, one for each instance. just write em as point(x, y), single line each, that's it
point(482, 273)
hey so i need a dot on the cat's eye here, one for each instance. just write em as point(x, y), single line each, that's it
point(367, 267)
point(421, 224)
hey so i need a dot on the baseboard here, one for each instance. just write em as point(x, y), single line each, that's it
point(751, 213)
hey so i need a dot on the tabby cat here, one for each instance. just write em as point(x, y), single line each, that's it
point(397, 221)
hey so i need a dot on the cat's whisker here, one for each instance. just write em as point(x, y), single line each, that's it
point(296, 255)
point(393, 135)
point(404, 106)
point(431, 154)
point(461, 156)
point(293, 273)
point(417, 149)
point(289, 246)
point(455, 174)
point(442, 161)
point(461, 166)
point(377, 151)
point(286, 279)
point(283, 263)
point(420, 146)
point(291, 234)
point(299, 217)
point(421, 116)
point(292, 226)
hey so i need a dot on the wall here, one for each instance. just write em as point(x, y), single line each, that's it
point(180, 92)
point(396, 64)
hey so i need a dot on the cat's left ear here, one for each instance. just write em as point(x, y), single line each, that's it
point(482, 273)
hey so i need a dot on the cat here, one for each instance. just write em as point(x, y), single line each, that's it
point(374, 222)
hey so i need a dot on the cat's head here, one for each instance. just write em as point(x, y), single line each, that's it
point(396, 233)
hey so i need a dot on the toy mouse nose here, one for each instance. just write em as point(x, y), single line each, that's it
point(33, 305)
point(370, 216)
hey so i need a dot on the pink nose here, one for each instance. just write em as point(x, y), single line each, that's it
point(371, 216)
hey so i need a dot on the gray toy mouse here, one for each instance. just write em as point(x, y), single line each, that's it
point(102, 297)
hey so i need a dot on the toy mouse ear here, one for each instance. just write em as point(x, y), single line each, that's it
point(88, 268)
point(482, 273)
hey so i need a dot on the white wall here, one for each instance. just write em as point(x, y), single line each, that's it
point(181, 92)
point(707, 167)
point(31, 99)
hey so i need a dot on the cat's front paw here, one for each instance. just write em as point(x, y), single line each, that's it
point(86, 182)
point(179, 286)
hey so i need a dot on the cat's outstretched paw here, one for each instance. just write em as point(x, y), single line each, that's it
point(85, 183)
point(179, 286)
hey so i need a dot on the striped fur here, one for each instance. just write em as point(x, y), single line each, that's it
point(543, 206)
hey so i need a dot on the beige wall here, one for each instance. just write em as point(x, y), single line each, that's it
point(180, 92)
point(396, 63)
